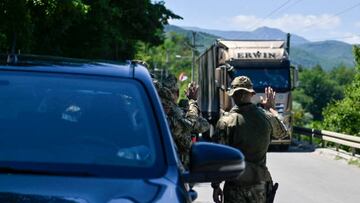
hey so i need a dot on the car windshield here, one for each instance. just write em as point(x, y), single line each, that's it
point(278, 79)
point(53, 122)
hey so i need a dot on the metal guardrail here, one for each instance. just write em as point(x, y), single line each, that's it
point(327, 136)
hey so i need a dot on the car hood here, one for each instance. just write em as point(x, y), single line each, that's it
point(34, 188)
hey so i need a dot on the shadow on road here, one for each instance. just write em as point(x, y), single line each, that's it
point(297, 147)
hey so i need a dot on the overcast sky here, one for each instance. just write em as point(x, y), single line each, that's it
point(316, 20)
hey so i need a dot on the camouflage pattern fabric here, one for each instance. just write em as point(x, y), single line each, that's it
point(279, 129)
point(164, 93)
point(170, 82)
point(247, 128)
point(180, 127)
point(241, 83)
point(239, 194)
point(184, 105)
point(199, 124)
point(181, 123)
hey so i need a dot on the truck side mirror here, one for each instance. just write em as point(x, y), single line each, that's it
point(294, 77)
point(218, 77)
point(221, 82)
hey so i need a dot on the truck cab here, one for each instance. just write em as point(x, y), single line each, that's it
point(265, 62)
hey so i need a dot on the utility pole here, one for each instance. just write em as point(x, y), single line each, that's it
point(166, 63)
point(193, 57)
point(193, 47)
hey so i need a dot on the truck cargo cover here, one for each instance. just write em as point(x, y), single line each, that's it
point(254, 50)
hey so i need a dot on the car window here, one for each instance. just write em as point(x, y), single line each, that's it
point(57, 119)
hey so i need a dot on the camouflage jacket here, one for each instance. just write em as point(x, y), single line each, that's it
point(180, 129)
point(183, 124)
point(279, 130)
point(249, 129)
point(199, 124)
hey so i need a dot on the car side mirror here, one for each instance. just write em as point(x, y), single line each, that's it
point(211, 162)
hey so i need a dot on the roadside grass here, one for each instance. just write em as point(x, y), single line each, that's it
point(337, 157)
point(351, 161)
point(355, 162)
point(319, 142)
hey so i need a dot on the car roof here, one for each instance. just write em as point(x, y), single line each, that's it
point(69, 65)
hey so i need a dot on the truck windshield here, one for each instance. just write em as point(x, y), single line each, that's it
point(77, 124)
point(278, 79)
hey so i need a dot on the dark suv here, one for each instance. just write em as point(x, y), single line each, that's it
point(81, 131)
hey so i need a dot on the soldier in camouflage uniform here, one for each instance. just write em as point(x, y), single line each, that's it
point(248, 128)
point(181, 123)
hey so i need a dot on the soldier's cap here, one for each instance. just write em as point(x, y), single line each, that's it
point(241, 83)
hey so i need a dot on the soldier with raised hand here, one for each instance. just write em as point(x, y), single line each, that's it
point(181, 123)
point(247, 128)
point(199, 124)
point(268, 104)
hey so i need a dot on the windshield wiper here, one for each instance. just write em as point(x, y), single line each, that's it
point(11, 170)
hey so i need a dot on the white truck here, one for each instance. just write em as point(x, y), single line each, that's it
point(265, 62)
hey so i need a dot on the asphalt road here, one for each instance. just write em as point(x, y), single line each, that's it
point(305, 175)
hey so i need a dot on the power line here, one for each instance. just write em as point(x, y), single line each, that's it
point(336, 38)
point(347, 9)
point(271, 13)
point(291, 5)
point(335, 15)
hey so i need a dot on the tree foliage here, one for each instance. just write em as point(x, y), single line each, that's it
point(107, 29)
point(344, 115)
point(301, 117)
point(173, 56)
point(342, 75)
point(317, 89)
point(15, 24)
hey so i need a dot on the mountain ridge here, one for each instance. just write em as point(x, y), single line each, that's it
point(328, 54)
point(259, 33)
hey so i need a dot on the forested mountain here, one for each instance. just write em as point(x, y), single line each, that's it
point(328, 54)
point(203, 39)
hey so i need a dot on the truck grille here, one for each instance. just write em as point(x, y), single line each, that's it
point(280, 108)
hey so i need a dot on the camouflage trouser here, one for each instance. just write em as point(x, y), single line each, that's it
point(238, 194)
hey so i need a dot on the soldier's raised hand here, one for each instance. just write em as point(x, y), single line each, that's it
point(269, 101)
point(191, 91)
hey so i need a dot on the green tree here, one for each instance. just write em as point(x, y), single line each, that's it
point(106, 29)
point(301, 117)
point(342, 75)
point(173, 56)
point(316, 90)
point(344, 116)
point(15, 24)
